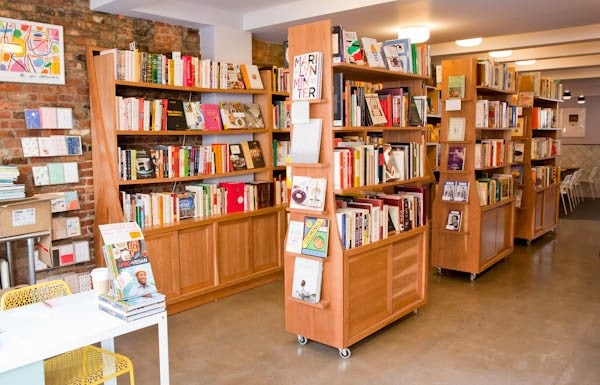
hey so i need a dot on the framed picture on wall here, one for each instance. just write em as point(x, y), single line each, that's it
point(573, 122)
point(31, 52)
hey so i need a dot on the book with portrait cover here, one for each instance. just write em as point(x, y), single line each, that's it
point(316, 236)
point(456, 158)
point(307, 278)
point(454, 220)
point(127, 260)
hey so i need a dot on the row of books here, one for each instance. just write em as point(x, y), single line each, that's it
point(496, 75)
point(495, 114)
point(176, 69)
point(181, 161)
point(541, 87)
point(364, 220)
point(545, 147)
point(8, 188)
point(545, 118)
point(395, 55)
point(133, 293)
point(365, 104)
point(139, 114)
point(282, 118)
point(281, 151)
point(201, 200)
point(494, 189)
point(281, 79)
point(358, 164)
point(543, 176)
point(495, 153)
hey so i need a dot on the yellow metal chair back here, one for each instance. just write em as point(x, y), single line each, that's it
point(88, 365)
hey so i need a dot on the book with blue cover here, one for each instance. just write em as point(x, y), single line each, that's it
point(316, 236)
point(32, 119)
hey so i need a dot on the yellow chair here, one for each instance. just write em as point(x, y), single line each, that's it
point(88, 365)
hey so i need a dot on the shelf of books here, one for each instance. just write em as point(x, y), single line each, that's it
point(357, 244)
point(184, 147)
point(537, 146)
point(474, 223)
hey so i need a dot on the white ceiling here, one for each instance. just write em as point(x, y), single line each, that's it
point(563, 35)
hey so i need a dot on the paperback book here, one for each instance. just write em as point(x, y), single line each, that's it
point(307, 76)
point(127, 259)
point(456, 158)
point(133, 305)
point(307, 278)
point(454, 220)
point(233, 116)
point(316, 237)
point(308, 193)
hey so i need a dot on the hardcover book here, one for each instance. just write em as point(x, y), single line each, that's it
point(316, 236)
point(127, 259)
point(456, 128)
point(212, 116)
point(194, 118)
point(375, 110)
point(397, 54)
point(254, 117)
point(454, 220)
point(175, 115)
point(352, 51)
point(456, 158)
point(308, 193)
point(251, 76)
point(307, 278)
point(373, 52)
point(237, 157)
point(456, 86)
point(253, 154)
point(307, 76)
point(144, 164)
point(233, 116)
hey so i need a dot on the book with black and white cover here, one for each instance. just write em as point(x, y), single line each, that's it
point(462, 192)
point(307, 279)
point(449, 190)
point(454, 220)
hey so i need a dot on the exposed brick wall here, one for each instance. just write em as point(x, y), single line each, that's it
point(81, 28)
point(267, 54)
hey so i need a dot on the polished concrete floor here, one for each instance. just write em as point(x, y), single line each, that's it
point(533, 318)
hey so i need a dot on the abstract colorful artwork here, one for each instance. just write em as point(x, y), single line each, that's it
point(31, 52)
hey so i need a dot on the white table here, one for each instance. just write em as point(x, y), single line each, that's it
point(35, 332)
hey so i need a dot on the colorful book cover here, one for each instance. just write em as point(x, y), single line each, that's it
point(254, 117)
point(193, 116)
point(316, 236)
point(212, 116)
point(233, 116)
point(397, 54)
point(128, 260)
point(307, 76)
point(456, 158)
point(33, 119)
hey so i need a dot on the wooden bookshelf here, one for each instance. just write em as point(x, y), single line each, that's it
point(486, 232)
point(538, 211)
point(195, 260)
point(367, 287)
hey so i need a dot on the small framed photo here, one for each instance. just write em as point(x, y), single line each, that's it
point(454, 220)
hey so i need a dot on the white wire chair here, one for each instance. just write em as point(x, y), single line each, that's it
point(576, 181)
point(590, 180)
point(565, 190)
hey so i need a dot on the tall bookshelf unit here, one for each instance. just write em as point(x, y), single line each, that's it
point(486, 232)
point(195, 260)
point(367, 287)
point(538, 210)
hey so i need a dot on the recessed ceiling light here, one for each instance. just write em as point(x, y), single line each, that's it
point(505, 53)
point(416, 33)
point(525, 62)
point(469, 42)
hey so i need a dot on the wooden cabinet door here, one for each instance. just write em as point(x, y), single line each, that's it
point(164, 255)
point(234, 248)
point(539, 211)
point(550, 207)
point(267, 246)
point(197, 258)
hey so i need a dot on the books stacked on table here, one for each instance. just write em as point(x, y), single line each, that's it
point(8, 188)
point(133, 308)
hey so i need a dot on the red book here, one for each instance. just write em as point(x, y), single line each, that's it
point(235, 196)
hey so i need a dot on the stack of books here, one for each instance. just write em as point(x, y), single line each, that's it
point(8, 188)
point(133, 308)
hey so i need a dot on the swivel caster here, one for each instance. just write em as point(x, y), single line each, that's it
point(415, 311)
point(345, 353)
point(473, 277)
point(302, 340)
point(439, 271)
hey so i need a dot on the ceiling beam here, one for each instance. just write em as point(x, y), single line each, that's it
point(566, 62)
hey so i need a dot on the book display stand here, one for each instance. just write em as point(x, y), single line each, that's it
point(196, 260)
point(486, 233)
point(367, 287)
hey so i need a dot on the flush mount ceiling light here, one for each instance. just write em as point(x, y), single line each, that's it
point(497, 54)
point(581, 99)
point(525, 62)
point(567, 95)
point(416, 33)
point(469, 42)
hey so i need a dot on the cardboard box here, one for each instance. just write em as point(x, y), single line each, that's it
point(24, 216)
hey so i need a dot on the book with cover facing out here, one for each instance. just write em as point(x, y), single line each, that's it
point(373, 52)
point(449, 190)
point(375, 110)
point(306, 141)
point(352, 51)
point(254, 117)
point(253, 154)
point(194, 117)
point(236, 156)
point(251, 76)
point(127, 259)
point(308, 193)
point(454, 220)
point(456, 158)
point(397, 54)
point(175, 115)
point(456, 86)
point(456, 128)
point(307, 278)
point(233, 116)
point(212, 116)
point(307, 76)
point(316, 236)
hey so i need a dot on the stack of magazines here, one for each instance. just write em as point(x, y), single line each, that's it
point(133, 308)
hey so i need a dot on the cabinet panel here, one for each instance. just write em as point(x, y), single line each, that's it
point(539, 211)
point(368, 281)
point(489, 230)
point(234, 247)
point(164, 256)
point(267, 245)
point(550, 207)
point(197, 259)
point(407, 267)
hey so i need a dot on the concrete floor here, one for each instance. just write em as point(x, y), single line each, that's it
point(533, 318)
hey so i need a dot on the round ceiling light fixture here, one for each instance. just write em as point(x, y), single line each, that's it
point(498, 54)
point(525, 62)
point(473, 42)
point(416, 33)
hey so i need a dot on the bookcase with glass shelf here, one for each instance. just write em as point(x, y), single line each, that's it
point(484, 235)
point(537, 193)
point(367, 287)
point(198, 259)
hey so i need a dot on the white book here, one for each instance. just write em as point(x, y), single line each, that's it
point(306, 142)
point(308, 275)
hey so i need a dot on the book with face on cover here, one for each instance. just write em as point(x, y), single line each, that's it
point(128, 260)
